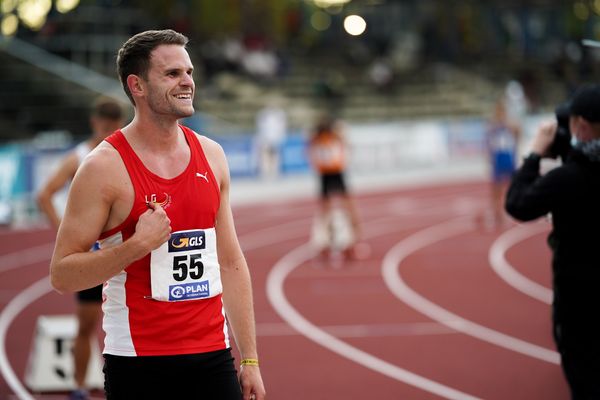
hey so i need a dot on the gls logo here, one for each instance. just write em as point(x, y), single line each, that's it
point(188, 240)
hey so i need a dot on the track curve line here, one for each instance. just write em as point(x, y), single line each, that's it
point(26, 257)
point(278, 300)
point(393, 279)
point(8, 314)
point(43, 287)
point(251, 240)
point(498, 262)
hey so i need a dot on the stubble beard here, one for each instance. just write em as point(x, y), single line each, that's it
point(168, 106)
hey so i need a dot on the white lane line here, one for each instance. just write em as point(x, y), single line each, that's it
point(394, 281)
point(290, 230)
point(360, 330)
point(278, 300)
point(25, 257)
point(43, 252)
point(278, 233)
point(18, 304)
point(506, 271)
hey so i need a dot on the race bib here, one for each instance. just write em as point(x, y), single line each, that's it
point(186, 267)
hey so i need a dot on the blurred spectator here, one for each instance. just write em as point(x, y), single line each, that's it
point(404, 51)
point(260, 64)
point(107, 116)
point(233, 52)
point(381, 75)
point(259, 59)
point(502, 137)
point(330, 86)
point(516, 103)
point(531, 88)
point(327, 152)
point(271, 130)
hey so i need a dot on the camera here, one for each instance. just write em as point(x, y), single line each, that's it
point(561, 145)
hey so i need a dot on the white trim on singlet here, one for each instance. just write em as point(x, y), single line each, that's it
point(118, 340)
point(225, 329)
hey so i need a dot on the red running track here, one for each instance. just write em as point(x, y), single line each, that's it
point(425, 316)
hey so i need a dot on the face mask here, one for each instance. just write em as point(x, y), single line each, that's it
point(574, 141)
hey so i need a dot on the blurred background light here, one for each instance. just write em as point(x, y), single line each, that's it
point(10, 23)
point(320, 20)
point(8, 6)
point(581, 10)
point(355, 25)
point(596, 6)
point(330, 3)
point(64, 6)
point(33, 13)
point(334, 10)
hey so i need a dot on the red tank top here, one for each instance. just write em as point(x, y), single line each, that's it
point(135, 323)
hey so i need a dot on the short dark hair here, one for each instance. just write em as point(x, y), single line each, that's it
point(134, 56)
point(107, 108)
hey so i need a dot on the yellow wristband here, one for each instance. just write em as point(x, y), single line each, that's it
point(249, 361)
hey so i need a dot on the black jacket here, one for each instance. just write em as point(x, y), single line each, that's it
point(571, 194)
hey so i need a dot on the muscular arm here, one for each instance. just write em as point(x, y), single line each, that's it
point(237, 295)
point(65, 172)
point(94, 198)
point(235, 275)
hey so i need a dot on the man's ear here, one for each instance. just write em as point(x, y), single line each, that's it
point(135, 85)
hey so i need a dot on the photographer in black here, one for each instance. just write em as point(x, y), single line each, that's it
point(571, 194)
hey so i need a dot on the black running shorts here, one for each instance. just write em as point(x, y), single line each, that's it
point(91, 295)
point(189, 376)
point(332, 184)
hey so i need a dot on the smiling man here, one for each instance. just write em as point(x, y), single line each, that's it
point(156, 195)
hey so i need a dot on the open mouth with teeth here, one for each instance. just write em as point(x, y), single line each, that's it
point(184, 96)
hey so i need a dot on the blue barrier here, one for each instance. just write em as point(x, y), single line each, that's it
point(241, 155)
point(294, 157)
point(14, 176)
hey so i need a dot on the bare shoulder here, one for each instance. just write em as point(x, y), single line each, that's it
point(103, 169)
point(210, 146)
point(216, 158)
point(104, 158)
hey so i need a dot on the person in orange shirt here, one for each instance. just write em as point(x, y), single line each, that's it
point(327, 153)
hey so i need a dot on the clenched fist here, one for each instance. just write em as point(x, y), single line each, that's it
point(153, 227)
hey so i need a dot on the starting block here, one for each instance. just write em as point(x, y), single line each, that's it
point(50, 365)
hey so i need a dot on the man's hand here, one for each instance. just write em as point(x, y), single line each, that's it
point(153, 227)
point(544, 138)
point(252, 384)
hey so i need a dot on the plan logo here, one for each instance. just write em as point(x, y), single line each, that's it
point(189, 291)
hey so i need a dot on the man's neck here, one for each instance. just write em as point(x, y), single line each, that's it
point(154, 135)
point(162, 149)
